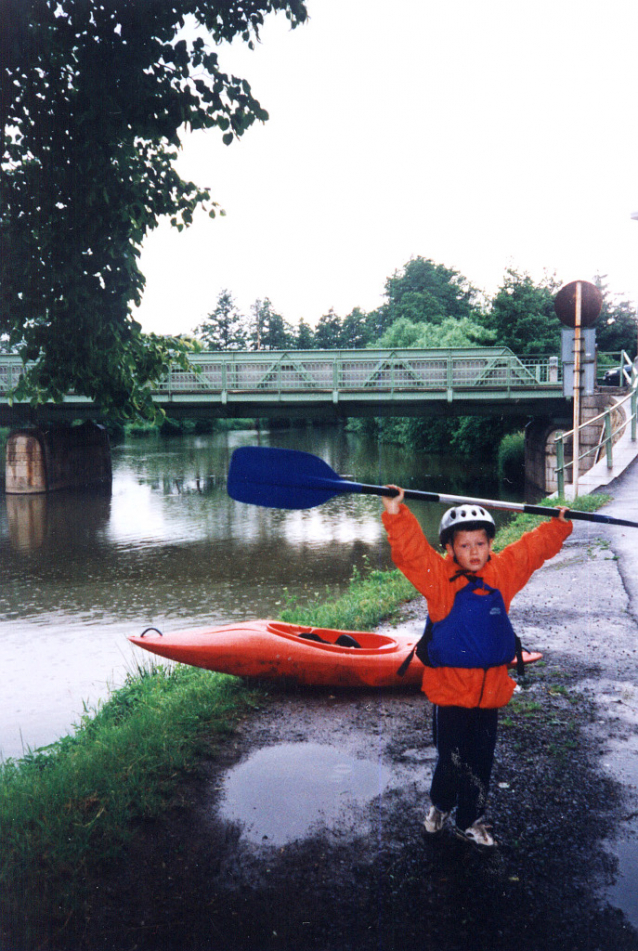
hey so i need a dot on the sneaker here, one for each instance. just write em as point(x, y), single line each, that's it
point(435, 820)
point(478, 833)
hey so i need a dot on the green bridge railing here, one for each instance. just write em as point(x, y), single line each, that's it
point(226, 383)
point(379, 370)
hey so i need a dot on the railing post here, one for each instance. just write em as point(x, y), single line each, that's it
point(634, 405)
point(560, 466)
point(608, 443)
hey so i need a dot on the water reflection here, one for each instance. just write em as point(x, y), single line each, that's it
point(41, 520)
point(168, 547)
point(26, 518)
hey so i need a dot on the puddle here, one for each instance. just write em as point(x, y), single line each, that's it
point(622, 762)
point(623, 893)
point(288, 791)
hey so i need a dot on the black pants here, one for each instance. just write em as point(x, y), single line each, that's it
point(465, 741)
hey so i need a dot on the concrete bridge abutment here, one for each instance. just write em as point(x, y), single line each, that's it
point(43, 459)
point(540, 447)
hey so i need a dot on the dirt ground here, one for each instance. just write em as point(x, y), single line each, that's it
point(368, 877)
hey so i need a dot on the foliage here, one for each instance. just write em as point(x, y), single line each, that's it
point(522, 315)
point(425, 292)
point(225, 326)
point(616, 327)
point(511, 458)
point(469, 437)
point(377, 323)
point(304, 339)
point(69, 807)
point(95, 97)
point(268, 330)
point(355, 331)
point(450, 332)
point(328, 332)
point(365, 603)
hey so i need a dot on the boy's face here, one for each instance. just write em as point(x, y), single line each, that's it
point(470, 549)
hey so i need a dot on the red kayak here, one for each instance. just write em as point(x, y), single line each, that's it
point(275, 650)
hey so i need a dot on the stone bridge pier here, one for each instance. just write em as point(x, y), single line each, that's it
point(43, 459)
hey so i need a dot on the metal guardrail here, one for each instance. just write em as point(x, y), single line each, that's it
point(609, 433)
point(381, 371)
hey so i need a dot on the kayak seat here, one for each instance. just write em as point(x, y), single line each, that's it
point(344, 640)
point(311, 636)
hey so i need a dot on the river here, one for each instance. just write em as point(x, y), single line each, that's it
point(167, 547)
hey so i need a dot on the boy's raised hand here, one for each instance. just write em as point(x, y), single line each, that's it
point(391, 505)
point(563, 510)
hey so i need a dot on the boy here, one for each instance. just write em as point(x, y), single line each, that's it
point(471, 644)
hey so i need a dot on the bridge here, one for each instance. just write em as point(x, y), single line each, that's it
point(327, 384)
point(332, 384)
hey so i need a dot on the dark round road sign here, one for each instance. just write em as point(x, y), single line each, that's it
point(591, 303)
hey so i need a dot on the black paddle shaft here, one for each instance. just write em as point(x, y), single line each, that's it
point(417, 495)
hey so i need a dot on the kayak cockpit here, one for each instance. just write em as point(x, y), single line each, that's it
point(353, 641)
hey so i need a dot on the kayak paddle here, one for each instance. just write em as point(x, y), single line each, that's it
point(290, 479)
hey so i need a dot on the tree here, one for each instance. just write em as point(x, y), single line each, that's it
point(522, 315)
point(616, 327)
point(225, 327)
point(94, 98)
point(377, 323)
point(328, 332)
point(429, 292)
point(449, 333)
point(268, 330)
point(304, 339)
point(355, 330)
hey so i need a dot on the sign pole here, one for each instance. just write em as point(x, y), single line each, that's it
point(577, 305)
point(577, 387)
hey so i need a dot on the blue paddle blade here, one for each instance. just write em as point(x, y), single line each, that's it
point(283, 478)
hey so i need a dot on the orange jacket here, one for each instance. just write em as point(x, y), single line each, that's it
point(431, 574)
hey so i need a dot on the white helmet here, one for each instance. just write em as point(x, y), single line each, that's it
point(467, 517)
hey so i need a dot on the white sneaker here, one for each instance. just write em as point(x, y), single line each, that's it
point(479, 833)
point(435, 820)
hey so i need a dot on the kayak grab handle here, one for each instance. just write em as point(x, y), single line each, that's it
point(157, 631)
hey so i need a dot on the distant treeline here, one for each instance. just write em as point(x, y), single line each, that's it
point(425, 305)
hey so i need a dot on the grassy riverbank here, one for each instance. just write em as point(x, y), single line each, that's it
point(68, 809)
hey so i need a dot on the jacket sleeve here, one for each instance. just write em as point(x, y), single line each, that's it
point(526, 555)
point(412, 553)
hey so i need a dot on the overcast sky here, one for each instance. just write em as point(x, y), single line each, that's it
point(478, 133)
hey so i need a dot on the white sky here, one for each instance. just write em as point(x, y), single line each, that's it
point(478, 133)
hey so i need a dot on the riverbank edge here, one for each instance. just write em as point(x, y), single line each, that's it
point(70, 807)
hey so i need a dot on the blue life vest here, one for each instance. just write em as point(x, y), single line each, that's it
point(476, 633)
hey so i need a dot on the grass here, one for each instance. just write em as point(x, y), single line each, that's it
point(70, 807)
point(522, 523)
point(367, 601)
